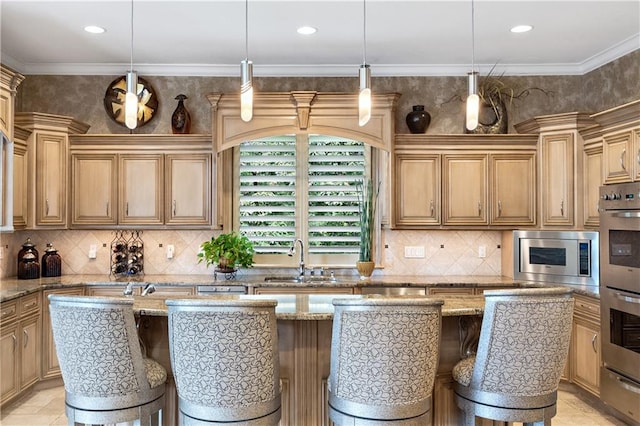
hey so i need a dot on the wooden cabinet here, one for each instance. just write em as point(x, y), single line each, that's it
point(141, 196)
point(618, 155)
point(48, 177)
point(585, 356)
point(592, 180)
point(464, 180)
point(94, 189)
point(418, 183)
point(188, 199)
point(20, 345)
point(20, 178)
point(141, 180)
point(635, 154)
point(50, 367)
point(557, 189)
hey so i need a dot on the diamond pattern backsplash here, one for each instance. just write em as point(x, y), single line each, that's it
point(448, 252)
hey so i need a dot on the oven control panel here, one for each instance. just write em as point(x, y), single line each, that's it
point(623, 196)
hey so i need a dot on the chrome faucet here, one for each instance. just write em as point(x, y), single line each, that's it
point(128, 290)
point(292, 250)
point(148, 289)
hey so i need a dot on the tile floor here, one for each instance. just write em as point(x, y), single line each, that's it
point(46, 407)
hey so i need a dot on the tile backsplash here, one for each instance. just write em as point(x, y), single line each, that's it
point(449, 252)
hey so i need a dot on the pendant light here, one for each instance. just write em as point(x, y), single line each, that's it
point(131, 98)
point(364, 74)
point(246, 73)
point(473, 100)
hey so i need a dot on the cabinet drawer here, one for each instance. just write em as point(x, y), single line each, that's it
point(29, 304)
point(587, 306)
point(9, 311)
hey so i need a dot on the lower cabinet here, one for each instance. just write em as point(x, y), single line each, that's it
point(19, 346)
point(50, 367)
point(585, 356)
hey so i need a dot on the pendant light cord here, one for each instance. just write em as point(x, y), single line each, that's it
point(131, 58)
point(246, 28)
point(364, 32)
point(473, 37)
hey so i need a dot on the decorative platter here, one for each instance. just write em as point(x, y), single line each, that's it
point(115, 95)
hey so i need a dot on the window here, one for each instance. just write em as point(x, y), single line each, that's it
point(301, 186)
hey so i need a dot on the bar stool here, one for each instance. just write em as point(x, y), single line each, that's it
point(522, 351)
point(105, 377)
point(384, 357)
point(224, 356)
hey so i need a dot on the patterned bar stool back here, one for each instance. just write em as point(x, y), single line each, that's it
point(224, 356)
point(522, 352)
point(384, 357)
point(106, 379)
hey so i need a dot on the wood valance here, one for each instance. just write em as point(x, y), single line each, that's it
point(281, 113)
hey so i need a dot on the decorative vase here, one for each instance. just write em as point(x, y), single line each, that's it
point(365, 269)
point(181, 119)
point(418, 120)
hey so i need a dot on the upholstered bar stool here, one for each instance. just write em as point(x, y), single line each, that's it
point(384, 357)
point(522, 351)
point(224, 356)
point(105, 377)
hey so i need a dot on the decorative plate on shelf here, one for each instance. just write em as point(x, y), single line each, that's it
point(115, 95)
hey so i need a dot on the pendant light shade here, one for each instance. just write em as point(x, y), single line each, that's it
point(473, 101)
point(246, 90)
point(246, 74)
point(131, 98)
point(364, 75)
point(364, 98)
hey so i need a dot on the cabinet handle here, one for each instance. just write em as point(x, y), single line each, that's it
point(107, 208)
point(479, 208)
point(593, 342)
point(26, 338)
point(561, 207)
point(499, 208)
point(15, 342)
point(430, 207)
point(30, 305)
point(638, 156)
point(174, 207)
point(126, 212)
point(46, 207)
point(622, 155)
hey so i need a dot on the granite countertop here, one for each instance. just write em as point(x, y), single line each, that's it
point(11, 288)
point(311, 307)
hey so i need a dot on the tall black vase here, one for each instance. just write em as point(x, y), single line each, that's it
point(181, 119)
point(418, 120)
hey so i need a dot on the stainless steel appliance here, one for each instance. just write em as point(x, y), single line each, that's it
point(620, 297)
point(569, 257)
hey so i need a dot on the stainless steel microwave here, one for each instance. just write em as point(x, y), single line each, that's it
point(569, 257)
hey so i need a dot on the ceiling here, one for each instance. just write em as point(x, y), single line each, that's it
point(207, 37)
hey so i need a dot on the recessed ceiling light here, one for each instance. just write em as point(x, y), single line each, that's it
point(306, 30)
point(521, 28)
point(94, 29)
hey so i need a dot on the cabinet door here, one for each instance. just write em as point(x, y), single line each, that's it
point(188, 200)
point(635, 159)
point(617, 157)
point(51, 179)
point(557, 179)
point(94, 189)
point(514, 189)
point(30, 351)
point(592, 180)
point(141, 189)
point(50, 366)
point(8, 361)
point(586, 355)
point(20, 182)
point(417, 189)
point(465, 189)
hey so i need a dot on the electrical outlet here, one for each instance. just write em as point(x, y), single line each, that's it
point(170, 251)
point(482, 251)
point(414, 252)
point(93, 251)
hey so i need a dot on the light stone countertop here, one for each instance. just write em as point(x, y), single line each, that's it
point(11, 288)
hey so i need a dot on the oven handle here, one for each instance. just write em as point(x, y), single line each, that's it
point(628, 299)
point(626, 214)
point(628, 385)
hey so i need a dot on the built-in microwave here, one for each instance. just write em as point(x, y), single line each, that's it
point(569, 257)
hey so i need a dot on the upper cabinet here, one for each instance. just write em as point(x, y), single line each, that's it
point(464, 180)
point(48, 146)
point(147, 181)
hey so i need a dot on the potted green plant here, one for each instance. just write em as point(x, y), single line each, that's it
point(227, 252)
point(367, 202)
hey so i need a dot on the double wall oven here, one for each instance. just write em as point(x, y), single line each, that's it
point(620, 297)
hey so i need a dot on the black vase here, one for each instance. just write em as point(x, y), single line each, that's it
point(181, 119)
point(418, 120)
